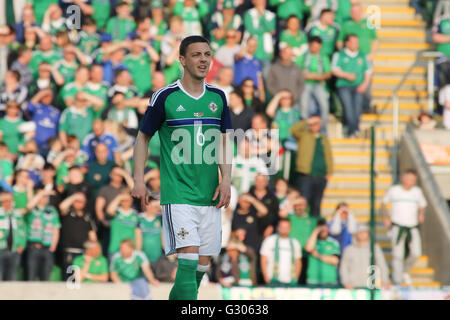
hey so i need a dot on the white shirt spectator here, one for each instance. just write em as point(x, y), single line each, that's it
point(285, 258)
point(405, 205)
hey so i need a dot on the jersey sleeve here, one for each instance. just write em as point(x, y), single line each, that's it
point(155, 115)
point(225, 119)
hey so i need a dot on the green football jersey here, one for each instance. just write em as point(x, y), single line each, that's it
point(123, 226)
point(314, 64)
point(77, 122)
point(443, 27)
point(67, 69)
point(129, 269)
point(41, 223)
point(19, 229)
point(97, 266)
point(365, 32)
point(51, 57)
point(119, 28)
point(101, 13)
point(6, 168)
point(140, 70)
point(151, 236)
point(319, 272)
point(99, 90)
point(88, 43)
point(353, 63)
point(301, 228)
point(11, 134)
point(189, 131)
point(328, 34)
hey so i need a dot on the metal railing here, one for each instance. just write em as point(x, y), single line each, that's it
point(422, 57)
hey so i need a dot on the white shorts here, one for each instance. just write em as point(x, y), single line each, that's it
point(185, 225)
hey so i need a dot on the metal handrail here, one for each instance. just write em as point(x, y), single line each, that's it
point(430, 56)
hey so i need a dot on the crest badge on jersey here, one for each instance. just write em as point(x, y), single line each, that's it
point(213, 107)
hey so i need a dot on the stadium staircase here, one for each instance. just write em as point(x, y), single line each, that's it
point(401, 36)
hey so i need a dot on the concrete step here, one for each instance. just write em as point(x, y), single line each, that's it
point(385, 118)
point(385, 46)
point(356, 195)
point(360, 157)
point(352, 200)
point(359, 167)
point(386, 3)
point(422, 262)
point(402, 23)
point(392, 59)
point(405, 109)
point(363, 147)
point(397, 76)
point(360, 217)
point(380, 84)
point(398, 71)
point(381, 100)
point(400, 94)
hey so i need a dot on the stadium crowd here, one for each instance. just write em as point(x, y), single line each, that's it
point(72, 98)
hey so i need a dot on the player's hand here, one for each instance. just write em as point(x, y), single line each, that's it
point(140, 192)
point(225, 194)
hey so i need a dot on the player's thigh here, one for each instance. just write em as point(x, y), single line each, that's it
point(210, 231)
point(180, 226)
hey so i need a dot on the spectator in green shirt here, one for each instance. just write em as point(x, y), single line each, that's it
point(316, 69)
point(360, 27)
point(323, 259)
point(10, 133)
point(131, 266)
point(353, 71)
point(191, 11)
point(326, 29)
point(293, 37)
point(122, 24)
point(6, 165)
point(284, 115)
point(39, 8)
point(302, 227)
point(43, 228)
point(441, 37)
point(92, 265)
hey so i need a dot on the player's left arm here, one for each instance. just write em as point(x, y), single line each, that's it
point(224, 188)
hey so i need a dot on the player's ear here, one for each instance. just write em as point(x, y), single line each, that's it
point(182, 60)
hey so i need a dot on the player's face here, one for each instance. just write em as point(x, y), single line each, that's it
point(197, 60)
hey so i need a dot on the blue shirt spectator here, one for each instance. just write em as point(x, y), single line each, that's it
point(343, 226)
point(99, 136)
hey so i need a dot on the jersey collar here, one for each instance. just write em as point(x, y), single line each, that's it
point(182, 89)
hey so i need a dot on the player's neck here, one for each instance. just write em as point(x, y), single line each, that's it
point(194, 87)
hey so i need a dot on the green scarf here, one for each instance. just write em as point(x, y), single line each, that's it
point(276, 268)
point(407, 231)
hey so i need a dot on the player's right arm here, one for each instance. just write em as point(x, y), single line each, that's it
point(152, 121)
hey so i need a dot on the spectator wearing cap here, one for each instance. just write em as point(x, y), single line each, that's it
point(281, 256)
point(353, 71)
point(261, 23)
point(44, 115)
point(131, 266)
point(191, 11)
point(12, 90)
point(92, 265)
point(43, 230)
point(323, 260)
point(121, 25)
point(356, 261)
point(285, 74)
point(21, 65)
point(12, 237)
point(327, 30)
point(316, 71)
point(246, 65)
point(226, 28)
point(314, 163)
point(77, 226)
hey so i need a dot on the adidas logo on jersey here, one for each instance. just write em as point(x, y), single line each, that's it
point(180, 108)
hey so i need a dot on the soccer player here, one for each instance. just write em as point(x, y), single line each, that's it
point(195, 113)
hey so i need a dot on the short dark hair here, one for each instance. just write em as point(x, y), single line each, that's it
point(410, 171)
point(16, 74)
point(349, 36)
point(315, 39)
point(89, 21)
point(321, 222)
point(284, 220)
point(324, 11)
point(190, 40)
